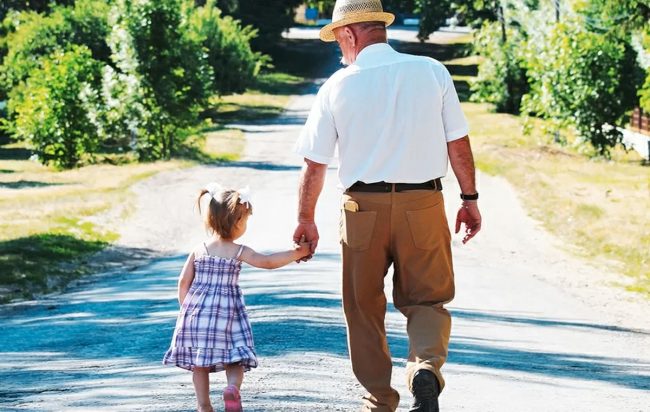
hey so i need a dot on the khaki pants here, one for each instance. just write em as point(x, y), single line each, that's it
point(408, 230)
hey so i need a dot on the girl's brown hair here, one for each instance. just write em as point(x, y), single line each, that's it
point(224, 211)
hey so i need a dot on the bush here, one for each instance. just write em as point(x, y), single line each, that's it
point(162, 68)
point(433, 14)
point(227, 44)
point(35, 36)
point(501, 78)
point(52, 115)
point(644, 95)
point(644, 92)
point(584, 79)
point(270, 17)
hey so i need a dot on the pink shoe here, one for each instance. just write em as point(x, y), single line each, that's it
point(232, 399)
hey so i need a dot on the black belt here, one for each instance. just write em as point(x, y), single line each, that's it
point(385, 187)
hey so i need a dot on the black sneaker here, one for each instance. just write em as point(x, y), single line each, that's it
point(425, 392)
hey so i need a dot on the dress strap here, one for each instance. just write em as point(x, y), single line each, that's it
point(239, 252)
point(207, 252)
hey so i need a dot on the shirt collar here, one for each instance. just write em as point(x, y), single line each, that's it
point(373, 53)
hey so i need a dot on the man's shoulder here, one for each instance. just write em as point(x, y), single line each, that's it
point(336, 78)
point(435, 64)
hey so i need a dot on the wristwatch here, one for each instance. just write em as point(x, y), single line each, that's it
point(469, 197)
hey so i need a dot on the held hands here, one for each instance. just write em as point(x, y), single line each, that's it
point(307, 233)
point(303, 248)
point(471, 217)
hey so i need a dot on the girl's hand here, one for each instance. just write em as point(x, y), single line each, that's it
point(304, 248)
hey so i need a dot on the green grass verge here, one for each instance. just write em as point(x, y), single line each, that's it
point(597, 207)
point(34, 264)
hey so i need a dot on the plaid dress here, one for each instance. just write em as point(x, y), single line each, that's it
point(212, 329)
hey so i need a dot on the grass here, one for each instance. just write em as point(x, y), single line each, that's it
point(598, 207)
point(26, 263)
point(52, 221)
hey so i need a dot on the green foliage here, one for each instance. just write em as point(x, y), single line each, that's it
point(234, 65)
point(146, 70)
point(37, 35)
point(161, 68)
point(644, 95)
point(270, 17)
point(52, 112)
point(40, 6)
point(433, 14)
point(502, 78)
point(475, 12)
point(584, 79)
point(626, 19)
point(620, 15)
point(29, 264)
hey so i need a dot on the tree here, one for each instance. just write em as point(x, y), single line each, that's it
point(629, 20)
point(234, 65)
point(37, 35)
point(270, 17)
point(583, 79)
point(52, 115)
point(502, 78)
point(172, 67)
point(39, 6)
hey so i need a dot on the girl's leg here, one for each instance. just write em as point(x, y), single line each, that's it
point(201, 378)
point(231, 396)
point(235, 374)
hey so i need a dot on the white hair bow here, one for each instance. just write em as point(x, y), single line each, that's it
point(214, 189)
point(245, 196)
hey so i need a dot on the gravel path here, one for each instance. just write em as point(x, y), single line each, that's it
point(534, 329)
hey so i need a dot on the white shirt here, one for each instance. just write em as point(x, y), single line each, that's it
point(391, 115)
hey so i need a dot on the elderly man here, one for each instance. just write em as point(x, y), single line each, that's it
point(396, 120)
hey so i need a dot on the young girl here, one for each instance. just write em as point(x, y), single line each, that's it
point(212, 332)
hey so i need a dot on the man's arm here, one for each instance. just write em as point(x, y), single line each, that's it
point(462, 162)
point(311, 185)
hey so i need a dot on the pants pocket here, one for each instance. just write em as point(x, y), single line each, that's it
point(356, 229)
point(428, 226)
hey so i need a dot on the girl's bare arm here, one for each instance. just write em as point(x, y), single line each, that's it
point(275, 260)
point(186, 278)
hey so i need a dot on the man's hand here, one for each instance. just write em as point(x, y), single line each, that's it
point(307, 232)
point(471, 217)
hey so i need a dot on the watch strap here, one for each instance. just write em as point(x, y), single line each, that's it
point(469, 197)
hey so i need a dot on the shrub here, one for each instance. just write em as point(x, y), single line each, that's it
point(53, 115)
point(501, 78)
point(34, 36)
point(158, 81)
point(584, 79)
point(227, 44)
point(270, 17)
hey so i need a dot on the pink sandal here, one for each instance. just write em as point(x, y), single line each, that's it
point(232, 399)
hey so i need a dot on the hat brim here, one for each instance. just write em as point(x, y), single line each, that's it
point(327, 32)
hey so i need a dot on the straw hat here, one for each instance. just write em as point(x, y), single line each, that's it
point(355, 11)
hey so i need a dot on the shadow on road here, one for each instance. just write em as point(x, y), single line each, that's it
point(96, 334)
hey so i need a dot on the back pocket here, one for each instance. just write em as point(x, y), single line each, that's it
point(357, 229)
point(426, 227)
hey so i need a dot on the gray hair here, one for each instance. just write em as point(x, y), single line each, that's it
point(370, 25)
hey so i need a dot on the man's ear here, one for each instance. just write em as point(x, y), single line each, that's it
point(350, 34)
